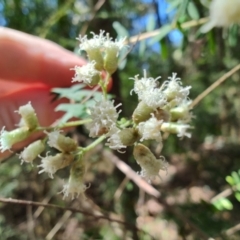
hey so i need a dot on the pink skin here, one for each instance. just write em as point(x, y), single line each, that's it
point(29, 68)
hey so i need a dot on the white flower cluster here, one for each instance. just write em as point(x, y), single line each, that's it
point(104, 116)
point(103, 54)
point(100, 42)
point(170, 99)
point(222, 14)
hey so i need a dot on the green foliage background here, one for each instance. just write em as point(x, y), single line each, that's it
point(198, 166)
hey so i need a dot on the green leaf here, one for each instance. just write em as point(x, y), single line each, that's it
point(151, 23)
point(230, 180)
point(226, 203)
point(142, 48)
point(163, 32)
point(237, 196)
point(173, 5)
point(120, 29)
point(223, 204)
point(164, 50)
point(193, 11)
point(72, 109)
point(236, 177)
point(182, 9)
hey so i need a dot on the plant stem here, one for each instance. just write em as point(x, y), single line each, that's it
point(93, 144)
point(65, 125)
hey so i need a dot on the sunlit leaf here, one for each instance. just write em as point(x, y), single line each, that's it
point(193, 11)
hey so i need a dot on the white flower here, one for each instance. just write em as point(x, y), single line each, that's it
point(51, 164)
point(148, 162)
point(182, 130)
point(144, 84)
point(104, 116)
point(86, 73)
point(75, 185)
point(114, 139)
point(154, 98)
point(74, 188)
point(95, 42)
point(174, 90)
point(222, 14)
point(150, 129)
point(113, 47)
point(31, 151)
point(182, 113)
point(147, 91)
point(176, 128)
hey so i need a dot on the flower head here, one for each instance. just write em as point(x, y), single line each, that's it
point(96, 42)
point(148, 162)
point(147, 91)
point(87, 74)
point(174, 90)
point(75, 185)
point(114, 139)
point(51, 164)
point(60, 142)
point(32, 151)
point(104, 115)
point(29, 117)
point(150, 129)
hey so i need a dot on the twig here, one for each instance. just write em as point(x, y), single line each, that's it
point(226, 193)
point(185, 25)
point(74, 210)
point(232, 230)
point(214, 85)
point(123, 167)
point(59, 224)
point(96, 8)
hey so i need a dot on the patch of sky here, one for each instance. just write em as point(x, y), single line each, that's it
point(3, 21)
point(140, 23)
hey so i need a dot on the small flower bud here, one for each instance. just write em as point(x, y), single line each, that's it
point(32, 151)
point(29, 116)
point(75, 185)
point(8, 139)
point(142, 112)
point(129, 136)
point(148, 162)
point(51, 164)
point(60, 142)
point(111, 53)
point(93, 48)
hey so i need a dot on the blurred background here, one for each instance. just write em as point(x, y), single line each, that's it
point(199, 198)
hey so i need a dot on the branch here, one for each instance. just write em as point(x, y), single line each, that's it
point(214, 85)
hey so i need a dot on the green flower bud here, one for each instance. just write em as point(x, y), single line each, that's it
point(8, 139)
point(142, 112)
point(32, 151)
point(29, 116)
point(129, 136)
